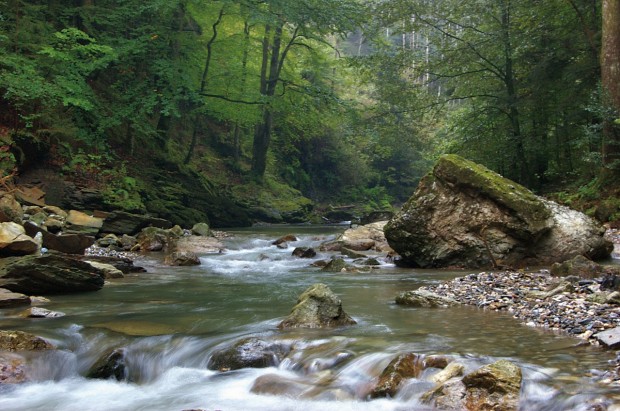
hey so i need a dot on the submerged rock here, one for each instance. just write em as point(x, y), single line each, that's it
point(404, 366)
point(317, 307)
point(12, 369)
point(304, 252)
point(289, 238)
point(463, 214)
point(249, 353)
point(335, 265)
point(110, 365)
point(274, 384)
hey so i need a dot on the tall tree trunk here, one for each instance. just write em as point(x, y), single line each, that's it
point(519, 161)
point(610, 78)
point(244, 76)
point(269, 82)
point(203, 84)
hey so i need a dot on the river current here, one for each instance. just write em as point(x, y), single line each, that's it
point(171, 319)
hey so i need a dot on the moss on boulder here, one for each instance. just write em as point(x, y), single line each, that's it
point(464, 215)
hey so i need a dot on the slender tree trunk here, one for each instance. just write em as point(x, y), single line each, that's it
point(610, 78)
point(269, 82)
point(203, 84)
point(244, 75)
point(519, 161)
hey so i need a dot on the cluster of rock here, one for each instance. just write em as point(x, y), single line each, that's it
point(493, 386)
point(45, 250)
point(42, 247)
point(364, 244)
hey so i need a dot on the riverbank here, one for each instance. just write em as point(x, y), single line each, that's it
point(579, 307)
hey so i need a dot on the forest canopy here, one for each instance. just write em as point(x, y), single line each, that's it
point(343, 100)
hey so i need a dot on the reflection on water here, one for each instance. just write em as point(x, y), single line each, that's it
point(170, 319)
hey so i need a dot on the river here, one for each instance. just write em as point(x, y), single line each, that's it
point(170, 319)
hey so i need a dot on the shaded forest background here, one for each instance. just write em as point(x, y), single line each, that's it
point(250, 110)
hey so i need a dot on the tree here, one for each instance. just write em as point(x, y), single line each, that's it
point(513, 78)
point(610, 79)
point(302, 24)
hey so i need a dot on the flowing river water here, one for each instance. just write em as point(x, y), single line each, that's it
point(171, 319)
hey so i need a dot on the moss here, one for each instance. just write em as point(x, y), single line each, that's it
point(273, 201)
point(457, 170)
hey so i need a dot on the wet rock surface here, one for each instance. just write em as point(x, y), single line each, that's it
point(317, 307)
point(22, 341)
point(110, 365)
point(249, 353)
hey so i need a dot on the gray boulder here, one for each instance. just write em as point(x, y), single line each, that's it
point(49, 274)
point(317, 307)
point(465, 215)
point(249, 353)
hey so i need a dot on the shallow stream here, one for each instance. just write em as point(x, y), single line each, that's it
point(171, 319)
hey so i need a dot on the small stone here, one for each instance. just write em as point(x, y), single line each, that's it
point(38, 312)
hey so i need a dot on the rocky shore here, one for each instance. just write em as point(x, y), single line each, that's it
point(588, 309)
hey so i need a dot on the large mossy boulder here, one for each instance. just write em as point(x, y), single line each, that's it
point(49, 274)
point(317, 307)
point(466, 215)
